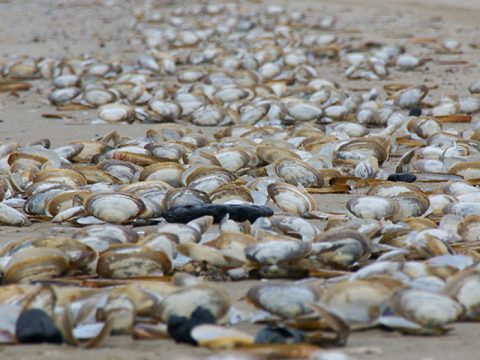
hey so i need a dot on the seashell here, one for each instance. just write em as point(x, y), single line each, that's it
point(474, 87)
point(296, 172)
point(392, 189)
point(185, 196)
point(165, 111)
point(233, 159)
point(304, 111)
point(32, 264)
point(270, 154)
point(373, 207)
point(348, 248)
point(290, 199)
point(64, 95)
point(469, 228)
point(363, 148)
point(184, 301)
point(230, 94)
point(168, 172)
point(125, 261)
point(89, 150)
point(66, 81)
point(252, 114)
point(116, 112)
point(458, 188)
point(231, 194)
point(122, 170)
point(424, 127)
point(407, 62)
point(206, 179)
point(410, 97)
point(158, 241)
point(288, 301)
point(64, 200)
point(463, 209)
point(360, 303)
point(37, 203)
point(427, 309)
point(438, 203)
point(209, 116)
point(168, 151)
point(22, 70)
point(184, 233)
point(469, 170)
point(65, 177)
point(80, 255)
point(210, 255)
point(219, 337)
point(276, 252)
point(464, 288)
point(115, 208)
point(412, 204)
point(12, 217)
point(98, 97)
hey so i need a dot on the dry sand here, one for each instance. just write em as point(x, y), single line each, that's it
point(63, 28)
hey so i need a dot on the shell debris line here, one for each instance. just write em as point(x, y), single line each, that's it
point(247, 138)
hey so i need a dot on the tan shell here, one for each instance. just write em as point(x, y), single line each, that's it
point(469, 228)
point(424, 127)
point(35, 264)
point(231, 194)
point(124, 261)
point(296, 172)
point(269, 154)
point(469, 170)
point(291, 199)
point(170, 172)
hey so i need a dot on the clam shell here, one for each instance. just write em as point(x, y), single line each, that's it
point(115, 208)
point(373, 207)
point(291, 199)
point(12, 217)
point(124, 261)
point(465, 288)
point(296, 172)
point(35, 264)
point(184, 301)
point(169, 172)
point(219, 337)
point(284, 300)
point(360, 303)
point(428, 309)
point(275, 252)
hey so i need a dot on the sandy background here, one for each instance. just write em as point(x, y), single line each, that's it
point(68, 28)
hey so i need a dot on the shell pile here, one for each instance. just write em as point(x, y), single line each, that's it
point(402, 252)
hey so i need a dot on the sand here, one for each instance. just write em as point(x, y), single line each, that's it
point(66, 28)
